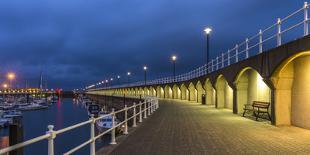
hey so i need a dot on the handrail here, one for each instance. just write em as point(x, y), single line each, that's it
point(226, 58)
point(150, 105)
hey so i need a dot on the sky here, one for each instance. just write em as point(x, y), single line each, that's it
point(76, 43)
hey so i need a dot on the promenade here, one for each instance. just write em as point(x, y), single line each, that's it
point(181, 127)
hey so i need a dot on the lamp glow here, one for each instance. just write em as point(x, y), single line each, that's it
point(208, 30)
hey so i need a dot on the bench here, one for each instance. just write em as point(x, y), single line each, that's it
point(258, 107)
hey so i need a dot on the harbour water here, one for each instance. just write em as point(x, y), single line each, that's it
point(62, 114)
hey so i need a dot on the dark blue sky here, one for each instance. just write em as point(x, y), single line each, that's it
point(79, 42)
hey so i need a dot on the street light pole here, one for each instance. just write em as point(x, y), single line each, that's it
point(145, 69)
point(208, 31)
point(174, 58)
point(128, 77)
point(118, 77)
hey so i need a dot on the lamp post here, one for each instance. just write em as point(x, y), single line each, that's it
point(208, 30)
point(128, 77)
point(111, 80)
point(145, 69)
point(173, 58)
point(106, 83)
point(118, 77)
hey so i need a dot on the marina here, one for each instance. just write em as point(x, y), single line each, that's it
point(35, 123)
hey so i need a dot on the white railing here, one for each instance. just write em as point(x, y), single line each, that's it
point(146, 108)
point(240, 51)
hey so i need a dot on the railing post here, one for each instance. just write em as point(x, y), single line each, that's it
point(134, 124)
point(228, 57)
point(51, 139)
point(237, 53)
point(279, 32)
point(306, 19)
point(140, 112)
point(260, 41)
point(157, 104)
point(152, 106)
point(222, 60)
point(247, 48)
point(149, 107)
point(92, 135)
point(126, 120)
point(212, 64)
point(217, 63)
point(113, 142)
point(145, 109)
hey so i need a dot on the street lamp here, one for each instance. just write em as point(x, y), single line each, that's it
point(118, 77)
point(173, 58)
point(145, 69)
point(5, 86)
point(208, 30)
point(128, 77)
point(11, 76)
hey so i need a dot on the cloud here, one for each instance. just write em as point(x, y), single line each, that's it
point(78, 42)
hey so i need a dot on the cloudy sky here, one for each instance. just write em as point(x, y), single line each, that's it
point(78, 42)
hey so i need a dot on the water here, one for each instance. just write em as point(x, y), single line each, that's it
point(61, 114)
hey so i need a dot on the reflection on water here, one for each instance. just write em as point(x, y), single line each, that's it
point(62, 114)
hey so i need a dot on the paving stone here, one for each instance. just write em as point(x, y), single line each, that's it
point(180, 127)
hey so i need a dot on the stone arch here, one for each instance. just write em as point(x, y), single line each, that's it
point(141, 91)
point(200, 91)
point(136, 91)
point(168, 91)
point(184, 92)
point(292, 91)
point(224, 93)
point(160, 92)
point(250, 87)
point(176, 92)
point(146, 91)
point(152, 91)
point(210, 91)
point(192, 92)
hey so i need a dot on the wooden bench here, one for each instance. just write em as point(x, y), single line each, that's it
point(258, 107)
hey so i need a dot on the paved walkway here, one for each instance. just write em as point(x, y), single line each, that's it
point(188, 128)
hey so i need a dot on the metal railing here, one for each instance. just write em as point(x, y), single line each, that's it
point(240, 51)
point(145, 108)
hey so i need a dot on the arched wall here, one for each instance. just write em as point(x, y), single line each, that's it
point(168, 92)
point(224, 93)
point(176, 92)
point(184, 92)
point(160, 92)
point(146, 91)
point(141, 91)
point(152, 91)
point(200, 91)
point(210, 91)
point(250, 87)
point(292, 91)
point(192, 92)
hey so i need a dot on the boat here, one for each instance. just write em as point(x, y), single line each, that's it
point(106, 122)
point(32, 106)
point(4, 122)
point(11, 114)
